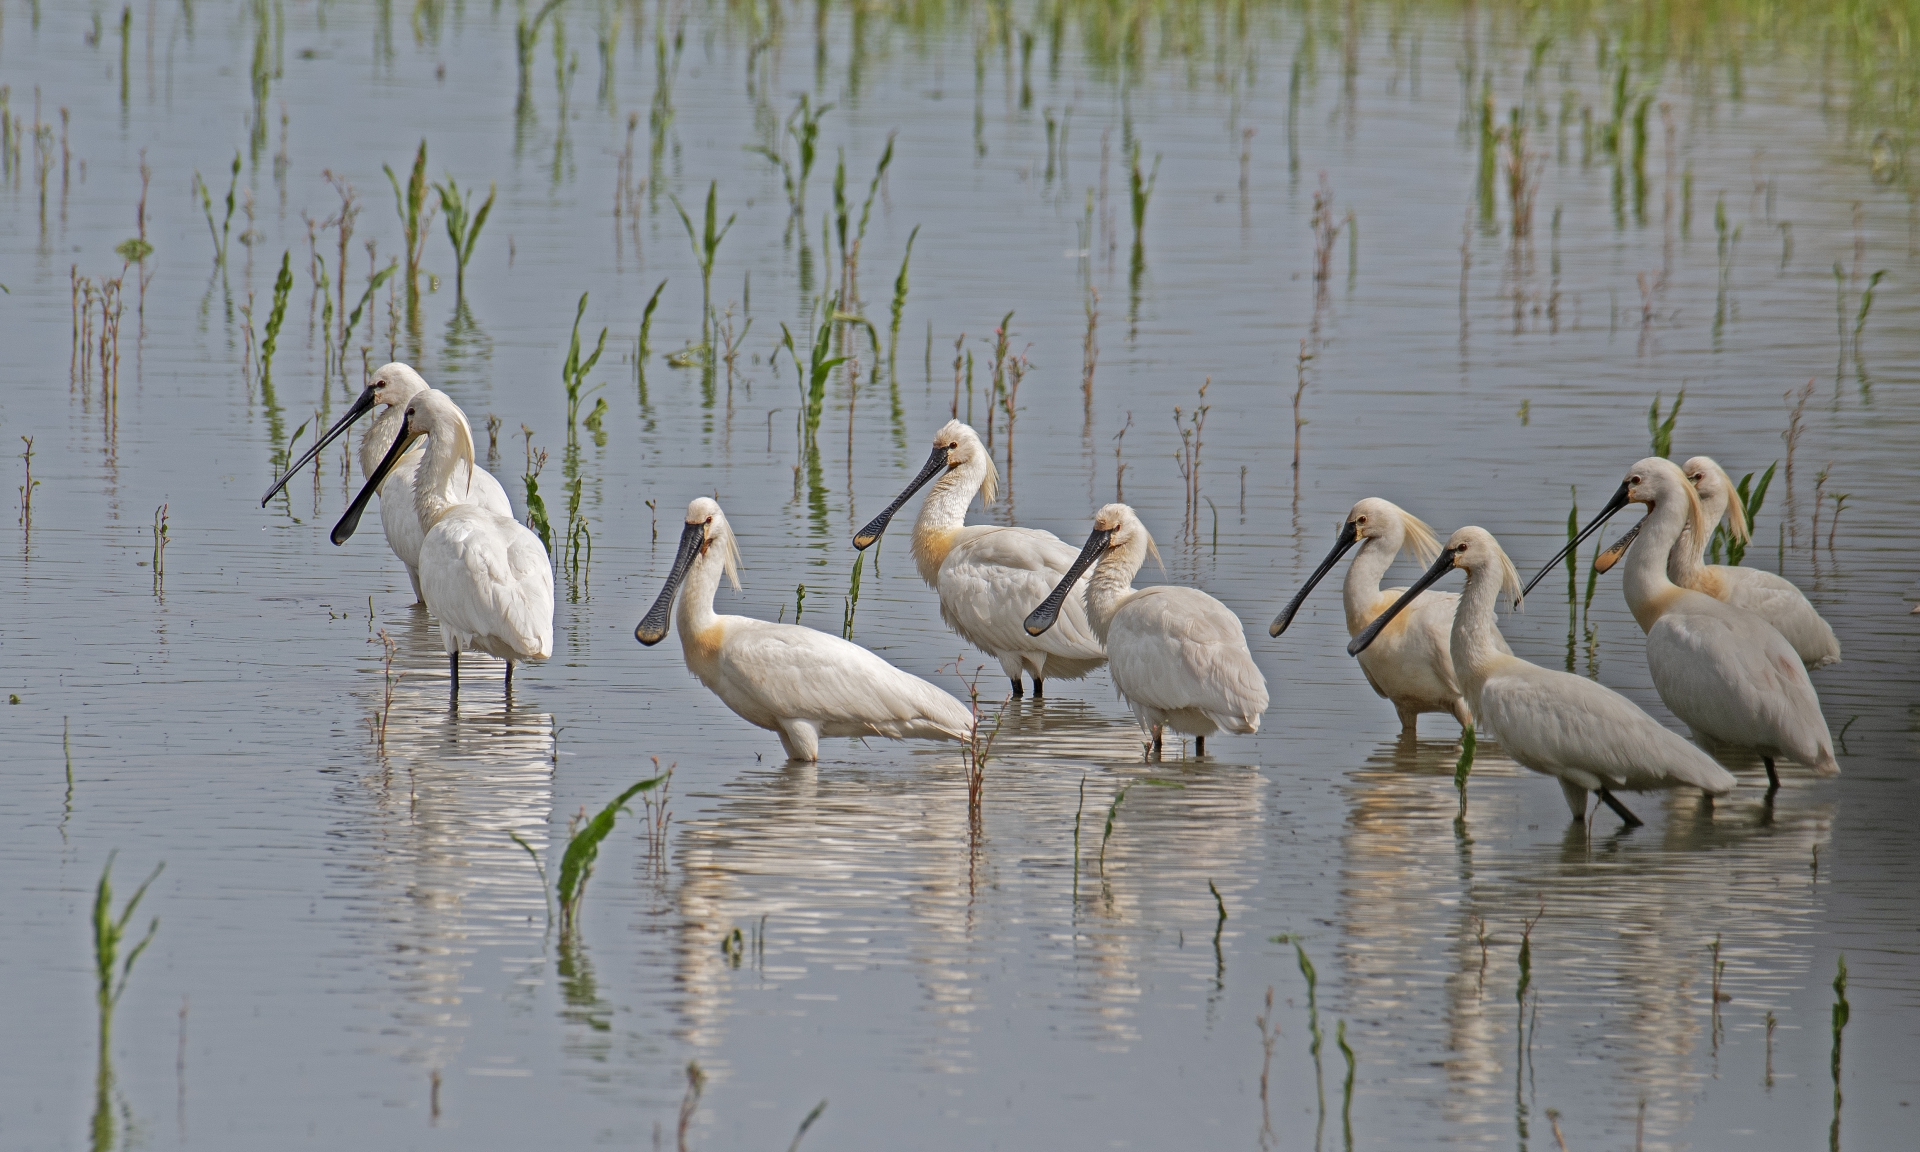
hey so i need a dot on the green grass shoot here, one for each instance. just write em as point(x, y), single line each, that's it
point(111, 971)
point(583, 848)
point(1662, 430)
point(574, 370)
point(1140, 191)
point(1752, 497)
point(899, 301)
point(706, 249)
point(282, 285)
point(1346, 1094)
point(853, 597)
point(813, 376)
point(374, 283)
point(642, 349)
point(416, 215)
point(1463, 767)
point(806, 1124)
point(463, 229)
point(220, 234)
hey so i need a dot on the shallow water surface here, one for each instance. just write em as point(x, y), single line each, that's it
point(354, 946)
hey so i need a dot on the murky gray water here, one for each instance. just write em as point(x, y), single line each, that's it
point(352, 950)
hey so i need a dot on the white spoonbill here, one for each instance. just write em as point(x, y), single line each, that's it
point(1179, 657)
point(987, 575)
point(1579, 731)
point(1409, 663)
point(484, 576)
point(796, 682)
point(1725, 671)
point(393, 386)
point(1773, 598)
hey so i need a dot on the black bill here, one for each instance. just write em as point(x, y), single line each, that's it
point(361, 407)
point(1614, 505)
point(350, 520)
point(1440, 568)
point(653, 628)
point(864, 538)
point(1043, 617)
point(1342, 543)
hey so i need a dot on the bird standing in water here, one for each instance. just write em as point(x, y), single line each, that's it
point(485, 577)
point(1579, 731)
point(1178, 656)
point(794, 681)
point(1725, 671)
point(1774, 598)
point(1409, 663)
point(988, 575)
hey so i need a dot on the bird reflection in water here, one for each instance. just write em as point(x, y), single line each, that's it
point(873, 865)
point(425, 866)
point(1432, 926)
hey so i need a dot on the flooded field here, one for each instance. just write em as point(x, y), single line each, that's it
point(1239, 265)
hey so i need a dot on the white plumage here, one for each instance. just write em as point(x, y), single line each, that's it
point(391, 388)
point(1582, 733)
point(794, 681)
point(395, 384)
point(1409, 662)
point(987, 576)
point(1178, 656)
point(1725, 671)
point(1773, 598)
point(485, 577)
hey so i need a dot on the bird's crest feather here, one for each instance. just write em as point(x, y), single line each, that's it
point(1420, 540)
point(1736, 509)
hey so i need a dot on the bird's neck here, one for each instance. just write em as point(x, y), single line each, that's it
point(1686, 564)
point(1475, 642)
point(1649, 588)
point(440, 482)
point(1687, 561)
point(942, 514)
point(1362, 586)
point(693, 613)
point(379, 437)
point(1110, 586)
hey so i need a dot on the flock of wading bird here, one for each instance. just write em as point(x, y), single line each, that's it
point(1729, 648)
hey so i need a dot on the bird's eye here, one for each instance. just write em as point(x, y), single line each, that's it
point(1359, 519)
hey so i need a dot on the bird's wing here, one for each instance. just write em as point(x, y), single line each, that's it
point(994, 577)
point(798, 672)
point(1553, 721)
point(1181, 648)
point(1731, 675)
point(485, 491)
point(488, 574)
point(527, 599)
point(1776, 600)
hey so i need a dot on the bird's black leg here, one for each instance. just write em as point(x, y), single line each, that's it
point(1156, 738)
point(1773, 778)
point(509, 678)
point(453, 664)
point(1017, 690)
point(1199, 745)
point(1039, 688)
point(1619, 809)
